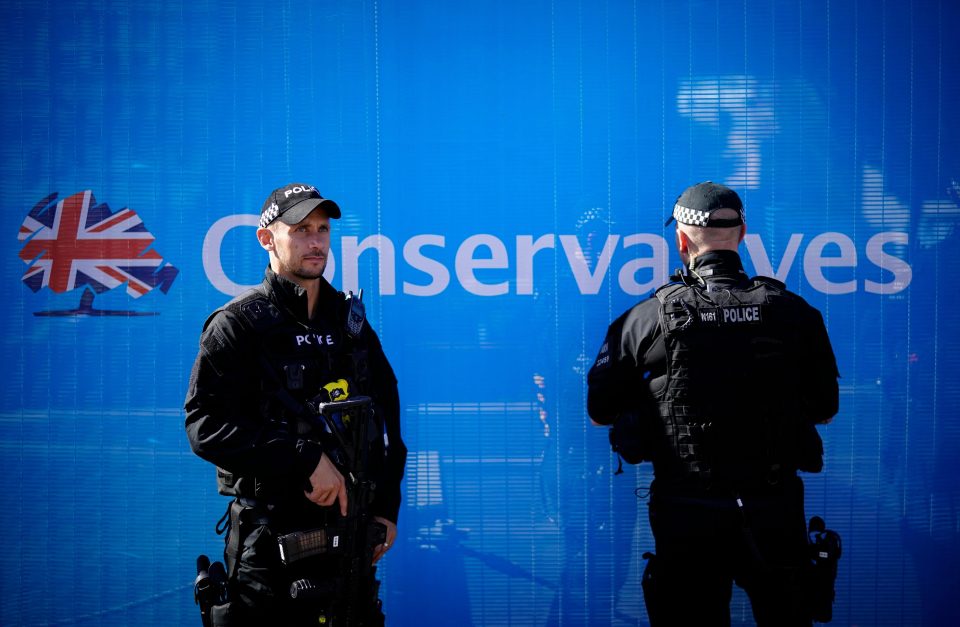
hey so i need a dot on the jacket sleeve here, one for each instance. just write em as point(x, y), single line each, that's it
point(223, 420)
point(820, 396)
point(615, 383)
point(387, 498)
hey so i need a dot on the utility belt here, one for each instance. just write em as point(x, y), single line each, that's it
point(280, 494)
point(331, 538)
point(322, 573)
point(777, 481)
point(275, 491)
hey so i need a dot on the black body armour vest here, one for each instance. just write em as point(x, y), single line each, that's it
point(295, 362)
point(729, 406)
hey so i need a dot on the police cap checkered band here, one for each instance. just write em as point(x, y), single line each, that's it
point(697, 202)
point(294, 202)
point(686, 215)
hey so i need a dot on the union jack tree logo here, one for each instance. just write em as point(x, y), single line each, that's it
point(78, 243)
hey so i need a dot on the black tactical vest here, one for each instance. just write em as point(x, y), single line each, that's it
point(295, 362)
point(729, 409)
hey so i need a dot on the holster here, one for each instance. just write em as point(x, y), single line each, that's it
point(224, 616)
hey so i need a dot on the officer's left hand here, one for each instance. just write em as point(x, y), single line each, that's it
point(381, 549)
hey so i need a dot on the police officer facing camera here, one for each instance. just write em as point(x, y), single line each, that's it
point(719, 379)
point(263, 356)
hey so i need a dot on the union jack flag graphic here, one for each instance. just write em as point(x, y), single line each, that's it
point(76, 242)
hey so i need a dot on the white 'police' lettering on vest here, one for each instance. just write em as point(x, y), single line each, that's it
point(315, 339)
point(741, 314)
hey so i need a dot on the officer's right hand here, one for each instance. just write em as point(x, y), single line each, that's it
point(328, 486)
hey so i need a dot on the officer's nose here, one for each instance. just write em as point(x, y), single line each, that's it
point(316, 241)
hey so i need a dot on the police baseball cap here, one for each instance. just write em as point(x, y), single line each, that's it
point(292, 203)
point(697, 202)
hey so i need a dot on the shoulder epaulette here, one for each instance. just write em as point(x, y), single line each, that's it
point(765, 280)
point(666, 292)
point(254, 307)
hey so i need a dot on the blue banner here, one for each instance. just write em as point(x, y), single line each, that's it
point(504, 170)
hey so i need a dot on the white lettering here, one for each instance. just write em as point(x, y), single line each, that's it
point(466, 264)
point(526, 249)
point(439, 275)
point(314, 339)
point(213, 242)
point(761, 261)
point(814, 262)
point(589, 283)
point(299, 190)
point(902, 273)
point(886, 251)
point(747, 313)
point(657, 263)
point(385, 262)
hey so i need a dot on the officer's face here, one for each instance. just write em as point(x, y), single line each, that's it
point(298, 251)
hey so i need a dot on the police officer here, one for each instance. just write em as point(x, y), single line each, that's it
point(719, 380)
point(261, 357)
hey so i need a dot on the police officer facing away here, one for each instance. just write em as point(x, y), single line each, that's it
point(261, 357)
point(719, 380)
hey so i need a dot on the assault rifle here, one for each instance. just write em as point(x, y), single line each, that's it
point(350, 596)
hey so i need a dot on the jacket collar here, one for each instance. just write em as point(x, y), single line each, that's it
point(293, 298)
point(720, 261)
point(720, 266)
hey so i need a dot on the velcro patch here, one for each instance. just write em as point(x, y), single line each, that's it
point(709, 315)
point(741, 314)
point(603, 359)
point(260, 311)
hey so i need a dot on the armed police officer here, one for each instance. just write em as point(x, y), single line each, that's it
point(719, 380)
point(305, 485)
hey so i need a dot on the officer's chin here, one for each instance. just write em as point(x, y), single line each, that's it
point(310, 274)
point(314, 260)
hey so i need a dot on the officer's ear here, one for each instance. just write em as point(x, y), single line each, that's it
point(683, 242)
point(743, 232)
point(265, 236)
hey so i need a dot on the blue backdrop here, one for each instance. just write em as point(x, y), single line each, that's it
point(505, 169)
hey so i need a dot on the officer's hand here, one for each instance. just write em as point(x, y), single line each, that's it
point(328, 486)
point(381, 549)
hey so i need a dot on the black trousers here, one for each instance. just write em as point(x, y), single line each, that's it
point(706, 542)
point(259, 582)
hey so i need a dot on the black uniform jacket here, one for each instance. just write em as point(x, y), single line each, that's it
point(224, 419)
point(633, 358)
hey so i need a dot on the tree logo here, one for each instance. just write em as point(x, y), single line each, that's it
point(76, 243)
